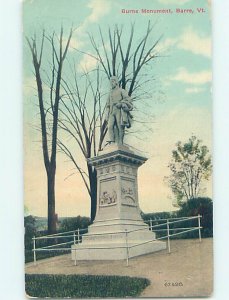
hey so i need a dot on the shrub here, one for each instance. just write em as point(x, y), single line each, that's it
point(83, 286)
point(30, 231)
point(158, 215)
point(74, 223)
point(192, 207)
point(67, 224)
point(202, 206)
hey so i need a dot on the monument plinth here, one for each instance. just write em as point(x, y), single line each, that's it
point(118, 222)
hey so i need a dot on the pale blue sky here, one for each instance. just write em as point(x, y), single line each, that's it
point(182, 102)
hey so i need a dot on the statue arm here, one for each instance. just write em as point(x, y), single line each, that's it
point(126, 99)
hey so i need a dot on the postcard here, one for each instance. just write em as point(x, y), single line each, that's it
point(117, 148)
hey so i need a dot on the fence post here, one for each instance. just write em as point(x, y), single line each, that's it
point(199, 216)
point(75, 256)
point(151, 224)
point(34, 252)
point(78, 235)
point(127, 249)
point(169, 249)
point(74, 237)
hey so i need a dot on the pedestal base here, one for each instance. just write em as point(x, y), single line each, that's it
point(115, 253)
point(118, 230)
point(115, 240)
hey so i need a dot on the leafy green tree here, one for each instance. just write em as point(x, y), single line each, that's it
point(190, 166)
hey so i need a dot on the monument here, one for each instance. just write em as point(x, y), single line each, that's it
point(118, 229)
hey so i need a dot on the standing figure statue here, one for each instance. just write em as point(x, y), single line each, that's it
point(118, 107)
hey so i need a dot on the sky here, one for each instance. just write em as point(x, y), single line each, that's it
point(181, 101)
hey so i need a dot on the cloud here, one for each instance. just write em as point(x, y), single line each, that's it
point(166, 45)
point(195, 42)
point(189, 40)
point(87, 63)
point(194, 90)
point(75, 42)
point(99, 9)
point(197, 78)
point(178, 2)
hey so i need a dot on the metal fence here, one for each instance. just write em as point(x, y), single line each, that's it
point(75, 236)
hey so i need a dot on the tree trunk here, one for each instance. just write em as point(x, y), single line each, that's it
point(51, 203)
point(93, 188)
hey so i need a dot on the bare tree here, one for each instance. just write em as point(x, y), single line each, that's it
point(57, 48)
point(126, 57)
point(82, 116)
point(82, 119)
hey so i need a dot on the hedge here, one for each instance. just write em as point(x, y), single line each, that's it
point(83, 286)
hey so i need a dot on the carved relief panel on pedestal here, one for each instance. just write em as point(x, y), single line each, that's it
point(107, 192)
point(128, 191)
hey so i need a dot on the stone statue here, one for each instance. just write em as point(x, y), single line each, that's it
point(118, 107)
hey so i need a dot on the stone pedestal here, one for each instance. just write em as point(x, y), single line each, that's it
point(118, 222)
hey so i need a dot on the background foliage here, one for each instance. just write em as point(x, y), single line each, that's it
point(193, 207)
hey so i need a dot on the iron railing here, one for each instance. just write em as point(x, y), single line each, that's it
point(76, 236)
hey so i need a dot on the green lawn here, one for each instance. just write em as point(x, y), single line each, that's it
point(83, 286)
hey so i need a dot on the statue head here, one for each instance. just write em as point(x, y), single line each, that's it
point(114, 81)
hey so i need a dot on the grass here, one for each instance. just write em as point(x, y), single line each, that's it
point(83, 286)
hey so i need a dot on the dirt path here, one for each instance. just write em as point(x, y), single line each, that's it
point(190, 265)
